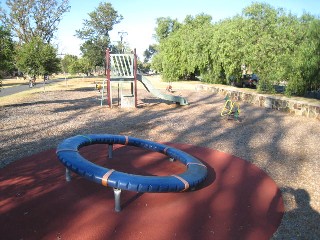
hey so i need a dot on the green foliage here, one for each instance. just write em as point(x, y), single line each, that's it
point(30, 18)
point(119, 47)
point(6, 52)
point(180, 52)
point(156, 62)
point(306, 59)
point(85, 65)
point(95, 32)
point(69, 64)
point(93, 52)
point(278, 46)
point(165, 26)
point(37, 58)
point(74, 65)
point(100, 23)
point(148, 53)
point(144, 67)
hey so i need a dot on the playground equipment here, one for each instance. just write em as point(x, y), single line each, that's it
point(172, 98)
point(98, 87)
point(231, 108)
point(68, 154)
point(122, 70)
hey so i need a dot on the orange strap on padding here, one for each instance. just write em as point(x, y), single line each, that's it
point(186, 184)
point(104, 180)
point(165, 150)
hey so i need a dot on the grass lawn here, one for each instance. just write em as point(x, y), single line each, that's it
point(58, 83)
point(12, 82)
point(74, 83)
point(68, 85)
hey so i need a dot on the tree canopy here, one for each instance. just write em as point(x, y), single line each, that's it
point(72, 64)
point(276, 45)
point(95, 32)
point(148, 53)
point(100, 22)
point(34, 18)
point(6, 51)
point(69, 64)
point(37, 58)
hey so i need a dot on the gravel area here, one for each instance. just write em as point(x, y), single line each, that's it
point(284, 146)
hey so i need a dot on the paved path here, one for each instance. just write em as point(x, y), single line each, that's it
point(24, 87)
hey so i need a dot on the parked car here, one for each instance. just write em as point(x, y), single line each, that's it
point(248, 80)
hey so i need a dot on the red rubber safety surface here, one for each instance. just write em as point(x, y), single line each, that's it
point(236, 201)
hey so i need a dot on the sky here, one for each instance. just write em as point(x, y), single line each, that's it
point(139, 17)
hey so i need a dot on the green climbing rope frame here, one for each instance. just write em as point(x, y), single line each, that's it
point(231, 108)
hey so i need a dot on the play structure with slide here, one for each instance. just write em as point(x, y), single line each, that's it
point(68, 154)
point(122, 70)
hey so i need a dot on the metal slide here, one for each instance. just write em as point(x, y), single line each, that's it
point(148, 85)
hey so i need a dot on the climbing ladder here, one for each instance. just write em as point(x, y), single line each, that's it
point(122, 66)
point(122, 69)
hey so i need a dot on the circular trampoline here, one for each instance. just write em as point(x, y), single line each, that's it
point(69, 155)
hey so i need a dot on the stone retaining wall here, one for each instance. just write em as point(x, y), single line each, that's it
point(281, 103)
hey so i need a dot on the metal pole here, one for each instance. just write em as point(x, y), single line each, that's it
point(119, 94)
point(102, 91)
point(68, 175)
point(122, 34)
point(117, 193)
point(44, 84)
point(108, 78)
point(135, 79)
point(110, 148)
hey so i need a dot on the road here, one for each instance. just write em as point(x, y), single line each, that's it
point(24, 87)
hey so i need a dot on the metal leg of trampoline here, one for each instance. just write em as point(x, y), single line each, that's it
point(117, 193)
point(171, 159)
point(110, 148)
point(68, 175)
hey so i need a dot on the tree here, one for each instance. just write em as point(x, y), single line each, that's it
point(92, 52)
point(6, 51)
point(278, 46)
point(72, 64)
point(283, 48)
point(85, 66)
point(96, 30)
point(149, 52)
point(183, 48)
point(165, 26)
point(304, 64)
point(69, 64)
point(37, 58)
point(34, 18)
